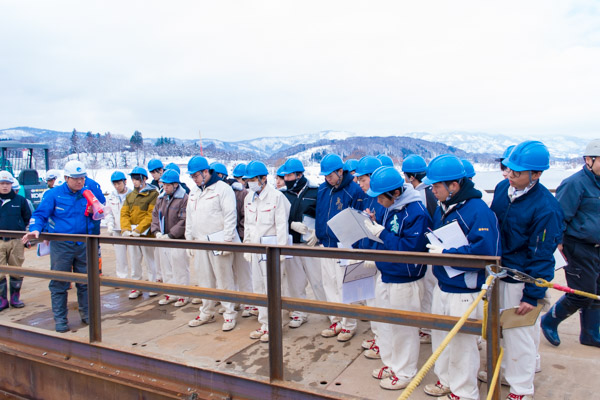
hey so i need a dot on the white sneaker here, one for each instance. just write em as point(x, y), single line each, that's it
point(366, 344)
point(222, 310)
point(196, 300)
point(134, 294)
point(246, 312)
point(345, 335)
point(393, 383)
point(483, 377)
point(372, 353)
point(333, 330)
point(381, 373)
point(254, 311)
point(182, 301)
point(199, 321)
point(437, 389)
point(228, 325)
point(152, 294)
point(424, 338)
point(296, 322)
point(257, 334)
point(265, 338)
point(167, 300)
point(512, 396)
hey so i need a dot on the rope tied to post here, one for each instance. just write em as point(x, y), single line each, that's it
point(416, 381)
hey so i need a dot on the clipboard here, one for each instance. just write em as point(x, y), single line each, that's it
point(358, 283)
point(349, 227)
point(358, 271)
point(310, 223)
point(43, 249)
point(508, 318)
point(272, 239)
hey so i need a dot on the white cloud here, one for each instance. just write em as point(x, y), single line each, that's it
point(241, 69)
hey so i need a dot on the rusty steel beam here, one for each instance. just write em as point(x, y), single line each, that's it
point(274, 313)
point(94, 304)
point(48, 366)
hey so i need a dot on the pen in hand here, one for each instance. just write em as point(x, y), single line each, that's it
point(435, 236)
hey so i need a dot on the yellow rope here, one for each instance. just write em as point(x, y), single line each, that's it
point(436, 354)
point(544, 283)
point(494, 381)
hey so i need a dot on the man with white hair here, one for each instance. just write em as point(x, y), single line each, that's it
point(67, 208)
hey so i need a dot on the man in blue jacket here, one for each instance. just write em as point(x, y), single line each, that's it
point(579, 197)
point(458, 287)
point(404, 223)
point(531, 228)
point(66, 206)
point(338, 192)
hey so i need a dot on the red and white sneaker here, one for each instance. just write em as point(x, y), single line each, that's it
point(437, 389)
point(372, 353)
point(512, 396)
point(134, 294)
point(333, 330)
point(366, 344)
point(345, 335)
point(381, 373)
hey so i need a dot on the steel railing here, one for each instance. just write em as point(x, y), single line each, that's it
point(273, 299)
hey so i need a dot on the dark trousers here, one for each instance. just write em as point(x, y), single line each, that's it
point(67, 257)
point(583, 271)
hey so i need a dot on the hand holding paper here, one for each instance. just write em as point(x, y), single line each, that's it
point(299, 227)
point(374, 228)
point(435, 249)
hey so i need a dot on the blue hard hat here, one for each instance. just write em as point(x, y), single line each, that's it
point(350, 164)
point(155, 163)
point(219, 168)
point(139, 171)
point(385, 160)
point(292, 165)
point(413, 164)
point(170, 176)
point(385, 179)
point(530, 155)
point(444, 168)
point(330, 163)
point(507, 152)
point(255, 168)
point(469, 168)
point(367, 165)
point(280, 171)
point(117, 176)
point(197, 163)
point(239, 170)
point(174, 167)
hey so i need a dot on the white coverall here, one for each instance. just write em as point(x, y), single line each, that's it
point(266, 215)
point(210, 211)
point(113, 224)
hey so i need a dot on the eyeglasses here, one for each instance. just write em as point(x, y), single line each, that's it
point(516, 174)
point(195, 174)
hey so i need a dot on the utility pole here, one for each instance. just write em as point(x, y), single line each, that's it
point(201, 149)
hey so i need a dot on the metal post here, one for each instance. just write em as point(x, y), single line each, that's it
point(94, 305)
point(493, 333)
point(274, 303)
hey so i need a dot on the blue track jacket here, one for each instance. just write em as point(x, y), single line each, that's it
point(531, 228)
point(332, 200)
point(406, 222)
point(480, 226)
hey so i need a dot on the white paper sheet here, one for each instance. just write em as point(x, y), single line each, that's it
point(559, 260)
point(43, 249)
point(310, 223)
point(273, 240)
point(449, 236)
point(358, 290)
point(349, 227)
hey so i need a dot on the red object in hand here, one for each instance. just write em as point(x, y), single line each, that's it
point(94, 206)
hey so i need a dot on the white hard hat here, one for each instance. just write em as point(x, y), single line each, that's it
point(15, 184)
point(593, 148)
point(75, 169)
point(52, 174)
point(6, 176)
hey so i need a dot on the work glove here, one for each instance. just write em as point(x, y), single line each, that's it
point(135, 234)
point(434, 249)
point(237, 186)
point(299, 227)
point(312, 238)
point(374, 228)
point(370, 264)
point(248, 257)
point(189, 252)
point(110, 230)
point(225, 253)
point(159, 235)
point(126, 234)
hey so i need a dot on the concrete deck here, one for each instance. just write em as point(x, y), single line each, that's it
point(568, 372)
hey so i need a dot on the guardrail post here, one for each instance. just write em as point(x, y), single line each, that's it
point(493, 333)
point(274, 313)
point(94, 305)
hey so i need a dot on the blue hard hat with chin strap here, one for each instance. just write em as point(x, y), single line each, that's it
point(443, 168)
point(331, 163)
point(170, 176)
point(531, 155)
point(385, 179)
point(256, 168)
point(219, 168)
point(367, 165)
point(414, 164)
point(139, 171)
point(197, 163)
point(469, 168)
point(173, 166)
point(350, 165)
point(292, 165)
point(118, 176)
point(385, 160)
point(155, 163)
point(239, 170)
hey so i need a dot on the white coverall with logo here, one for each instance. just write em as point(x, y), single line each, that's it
point(266, 215)
point(210, 211)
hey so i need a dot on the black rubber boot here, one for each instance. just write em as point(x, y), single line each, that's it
point(590, 327)
point(560, 311)
point(15, 292)
point(3, 301)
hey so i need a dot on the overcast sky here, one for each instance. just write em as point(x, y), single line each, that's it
point(242, 69)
